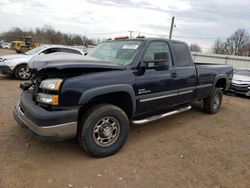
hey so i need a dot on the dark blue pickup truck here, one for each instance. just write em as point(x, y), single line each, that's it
point(96, 97)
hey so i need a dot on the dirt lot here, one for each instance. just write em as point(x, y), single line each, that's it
point(192, 149)
point(6, 52)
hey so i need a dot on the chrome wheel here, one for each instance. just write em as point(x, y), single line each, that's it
point(106, 131)
point(24, 73)
point(216, 102)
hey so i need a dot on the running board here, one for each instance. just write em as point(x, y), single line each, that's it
point(156, 117)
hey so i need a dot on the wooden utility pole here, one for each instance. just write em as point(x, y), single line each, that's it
point(171, 28)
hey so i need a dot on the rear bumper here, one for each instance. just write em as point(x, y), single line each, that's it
point(47, 125)
point(4, 69)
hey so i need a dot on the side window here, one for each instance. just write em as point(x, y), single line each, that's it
point(51, 50)
point(156, 47)
point(67, 50)
point(182, 55)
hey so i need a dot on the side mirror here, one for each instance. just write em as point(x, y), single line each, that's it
point(161, 60)
point(42, 53)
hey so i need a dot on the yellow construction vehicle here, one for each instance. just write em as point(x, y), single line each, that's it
point(23, 45)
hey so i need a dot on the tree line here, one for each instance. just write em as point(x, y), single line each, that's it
point(238, 43)
point(46, 35)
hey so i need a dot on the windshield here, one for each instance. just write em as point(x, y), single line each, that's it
point(118, 52)
point(35, 50)
point(242, 72)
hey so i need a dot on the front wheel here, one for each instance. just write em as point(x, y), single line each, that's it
point(103, 131)
point(22, 72)
point(213, 102)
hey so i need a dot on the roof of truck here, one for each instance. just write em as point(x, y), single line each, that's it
point(125, 38)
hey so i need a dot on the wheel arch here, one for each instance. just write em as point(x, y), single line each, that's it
point(121, 95)
point(220, 82)
point(18, 65)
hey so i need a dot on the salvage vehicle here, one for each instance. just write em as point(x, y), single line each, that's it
point(121, 82)
point(241, 82)
point(16, 64)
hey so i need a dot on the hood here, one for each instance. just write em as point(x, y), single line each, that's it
point(70, 61)
point(241, 79)
point(15, 56)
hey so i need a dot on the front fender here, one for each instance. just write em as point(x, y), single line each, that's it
point(94, 92)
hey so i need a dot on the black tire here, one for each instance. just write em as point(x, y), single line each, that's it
point(24, 49)
point(92, 135)
point(213, 102)
point(22, 72)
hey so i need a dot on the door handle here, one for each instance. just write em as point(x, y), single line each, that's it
point(173, 75)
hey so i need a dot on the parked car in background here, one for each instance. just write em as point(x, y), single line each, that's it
point(5, 45)
point(16, 64)
point(241, 82)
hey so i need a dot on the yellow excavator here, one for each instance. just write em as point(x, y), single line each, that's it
point(23, 45)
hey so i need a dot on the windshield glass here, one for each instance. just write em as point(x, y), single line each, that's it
point(118, 52)
point(35, 50)
point(242, 72)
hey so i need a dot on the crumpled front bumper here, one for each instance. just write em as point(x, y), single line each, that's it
point(47, 125)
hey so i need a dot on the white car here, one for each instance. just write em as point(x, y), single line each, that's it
point(16, 64)
point(241, 82)
point(5, 45)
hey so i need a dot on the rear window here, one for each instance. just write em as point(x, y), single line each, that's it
point(182, 55)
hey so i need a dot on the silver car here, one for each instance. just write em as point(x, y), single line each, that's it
point(16, 64)
point(241, 82)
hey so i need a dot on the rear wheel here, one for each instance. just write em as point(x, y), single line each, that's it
point(213, 102)
point(103, 131)
point(22, 72)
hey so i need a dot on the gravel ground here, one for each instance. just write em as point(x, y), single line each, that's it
point(192, 149)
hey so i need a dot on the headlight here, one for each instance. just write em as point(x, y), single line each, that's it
point(51, 84)
point(48, 99)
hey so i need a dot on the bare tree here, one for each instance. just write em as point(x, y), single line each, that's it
point(247, 49)
point(236, 43)
point(219, 47)
point(195, 48)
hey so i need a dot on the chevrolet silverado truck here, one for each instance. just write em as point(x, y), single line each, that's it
point(96, 97)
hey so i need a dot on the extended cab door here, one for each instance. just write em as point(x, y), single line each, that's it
point(185, 72)
point(156, 89)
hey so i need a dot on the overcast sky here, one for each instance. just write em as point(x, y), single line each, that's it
point(196, 21)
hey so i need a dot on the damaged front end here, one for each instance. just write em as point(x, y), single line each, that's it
point(49, 105)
